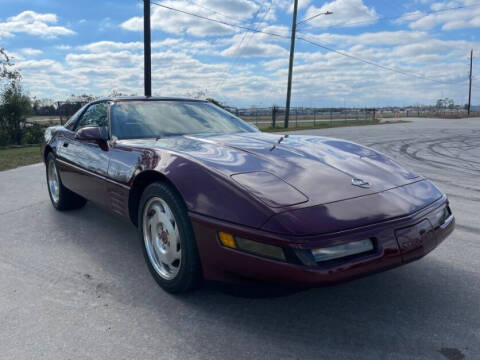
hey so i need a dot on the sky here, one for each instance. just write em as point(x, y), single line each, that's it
point(65, 47)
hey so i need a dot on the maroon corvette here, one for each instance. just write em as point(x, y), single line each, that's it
point(215, 198)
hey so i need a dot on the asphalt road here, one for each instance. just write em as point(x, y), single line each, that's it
point(74, 285)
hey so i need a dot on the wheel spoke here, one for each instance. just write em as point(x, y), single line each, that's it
point(177, 252)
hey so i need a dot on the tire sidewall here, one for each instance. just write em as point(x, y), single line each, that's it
point(67, 200)
point(187, 275)
point(51, 157)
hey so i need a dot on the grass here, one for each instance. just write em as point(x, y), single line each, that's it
point(334, 124)
point(15, 157)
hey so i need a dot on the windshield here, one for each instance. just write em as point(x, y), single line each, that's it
point(147, 119)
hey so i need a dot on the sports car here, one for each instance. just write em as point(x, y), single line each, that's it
point(215, 198)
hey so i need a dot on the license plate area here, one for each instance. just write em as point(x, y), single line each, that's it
point(415, 241)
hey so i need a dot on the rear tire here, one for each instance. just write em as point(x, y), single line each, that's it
point(62, 198)
point(168, 240)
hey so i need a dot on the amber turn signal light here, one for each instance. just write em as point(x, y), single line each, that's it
point(227, 240)
point(252, 247)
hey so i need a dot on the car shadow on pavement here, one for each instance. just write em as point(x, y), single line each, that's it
point(395, 308)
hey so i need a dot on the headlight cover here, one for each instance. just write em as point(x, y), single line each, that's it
point(341, 251)
point(270, 189)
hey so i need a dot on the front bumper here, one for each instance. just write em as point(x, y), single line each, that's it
point(397, 241)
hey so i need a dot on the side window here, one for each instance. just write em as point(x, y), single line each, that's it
point(96, 116)
point(70, 124)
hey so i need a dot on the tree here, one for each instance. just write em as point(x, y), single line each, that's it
point(444, 103)
point(44, 107)
point(14, 104)
point(14, 107)
point(7, 72)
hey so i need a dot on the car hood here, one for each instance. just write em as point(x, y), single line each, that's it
point(320, 169)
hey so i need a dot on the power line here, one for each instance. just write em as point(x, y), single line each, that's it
point(220, 83)
point(412, 14)
point(212, 10)
point(346, 54)
point(217, 21)
point(343, 53)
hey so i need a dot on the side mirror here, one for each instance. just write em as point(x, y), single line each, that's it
point(92, 134)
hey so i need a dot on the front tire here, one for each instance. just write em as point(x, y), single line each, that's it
point(168, 240)
point(62, 198)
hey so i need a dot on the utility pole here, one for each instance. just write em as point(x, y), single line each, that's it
point(470, 88)
point(292, 52)
point(290, 65)
point(147, 48)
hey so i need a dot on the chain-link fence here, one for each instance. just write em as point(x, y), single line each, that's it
point(274, 117)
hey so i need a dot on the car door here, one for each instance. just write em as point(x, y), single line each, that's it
point(83, 164)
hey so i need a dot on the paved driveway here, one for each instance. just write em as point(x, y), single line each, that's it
point(74, 285)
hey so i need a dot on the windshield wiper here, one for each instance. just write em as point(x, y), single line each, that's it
point(279, 141)
point(282, 137)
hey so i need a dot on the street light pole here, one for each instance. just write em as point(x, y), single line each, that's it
point(147, 48)
point(290, 65)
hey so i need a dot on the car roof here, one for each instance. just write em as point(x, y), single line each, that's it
point(146, 98)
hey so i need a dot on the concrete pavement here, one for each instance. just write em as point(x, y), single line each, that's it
point(74, 285)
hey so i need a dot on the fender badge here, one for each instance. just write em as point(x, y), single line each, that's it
point(360, 183)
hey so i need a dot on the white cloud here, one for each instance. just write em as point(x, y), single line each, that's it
point(381, 38)
point(301, 5)
point(176, 22)
point(254, 48)
point(320, 78)
point(109, 46)
point(345, 13)
point(180, 44)
point(184, 64)
point(257, 44)
point(32, 23)
point(31, 52)
point(242, 9)
point(460, 18)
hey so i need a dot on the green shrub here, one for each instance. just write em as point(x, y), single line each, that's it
point(32, 134)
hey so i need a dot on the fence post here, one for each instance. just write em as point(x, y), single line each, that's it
point(274, 116)
point(59, 114)
point(314, 118)
point(256, 117)
point(296, 117)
